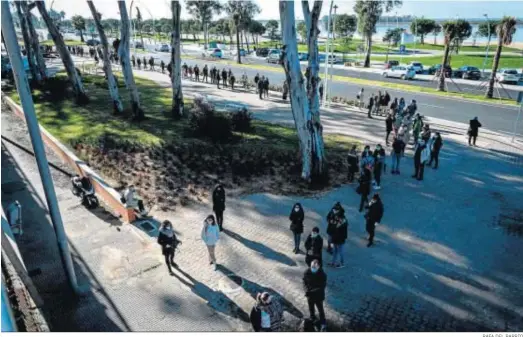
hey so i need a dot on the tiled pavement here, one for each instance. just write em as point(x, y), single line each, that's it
point(447, 257)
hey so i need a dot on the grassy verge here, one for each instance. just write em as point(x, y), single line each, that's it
point(440, 47)
point(506, 61)
point(67, 43)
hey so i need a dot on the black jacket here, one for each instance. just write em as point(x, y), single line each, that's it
point(256, 318)
point(297, 221)
point(375, 212)
point(438, 143)
point(165, 241)
point(218, 200)
point(339, 233)
point(398, 146)
point(353, 161)
point(332, 220)
point(474, 127)
point(314, 246)
point(365, 182)
point(417, 153)
point(388, 123)
point(314, 284)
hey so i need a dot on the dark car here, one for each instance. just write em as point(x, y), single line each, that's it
point(467, 72)
point(435, 70)
point(262, 52)
point(92, 42)
point(391, 63)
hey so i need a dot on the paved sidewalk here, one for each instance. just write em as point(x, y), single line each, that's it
point(447, 256)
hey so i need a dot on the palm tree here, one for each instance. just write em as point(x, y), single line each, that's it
point(79, 24)
point(203, 12)
point(505, 31)
point(450, 31)
point(34, 39)
point(139, 24)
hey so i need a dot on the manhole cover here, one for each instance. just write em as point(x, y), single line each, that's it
point(230, 284)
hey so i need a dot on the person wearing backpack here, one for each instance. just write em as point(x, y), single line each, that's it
point(314, 247)
point(332, 222)
point(167, 239)
point(296, 217)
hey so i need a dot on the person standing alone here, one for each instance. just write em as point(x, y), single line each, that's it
point(210, 236)
point(339, 236)
point(167, 239)
point(296, 217)
point(373, 216)
point(315, 282)
point(437, 144)
point(218, 204)
point(474, 126)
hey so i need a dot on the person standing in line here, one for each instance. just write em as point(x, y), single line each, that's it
point(285, 90)
point(379, 161)
point(377, 103)
point(394, 107)
point(396, 152)
point(425, 133)
point(133, 61)
point(190, 71)
point(339, 236)
point(267, 313)
point(296, 217)
point(256, 80)
point(370, 106)
point(373, 216)
point(315, 282)
point(364, 187)
point(144, 63)
point(151, 63)
point(314, 247)
point(437, 144)
point(335, 211)
point(218, 204)
point(320, 90)
point(232, 79)
point(260, 86)
point(205, 72)
point(217, 78)
point(210, 236)
point(266, 87)
point(367, 159)
point(162, 65)
point(139, 61)
point(474, 126)
point(360, 97)
point(416, 130)
point(197, 73)
point(388, 126)
point(167, 239)
point(224, 77)
point(352, 160)
point(386, 99)
point(401, 105)
point(421, 156)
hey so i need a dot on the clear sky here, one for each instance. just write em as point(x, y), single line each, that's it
point(428, 8)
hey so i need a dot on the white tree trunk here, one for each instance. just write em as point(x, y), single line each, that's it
point(73, 75)
point(125, 61)
point(34, 41)
point(108, 69)
point(303, 118)
point(176, 75)
point(313, 79)
point(27, 43)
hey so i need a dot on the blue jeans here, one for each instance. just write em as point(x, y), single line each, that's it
point(338, 251)
point(297, 240)
point(396, 157)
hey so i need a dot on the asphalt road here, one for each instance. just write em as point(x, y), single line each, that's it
point(494, 117)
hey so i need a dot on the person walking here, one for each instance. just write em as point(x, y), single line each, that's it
point(218, 204)
point(210, 236)
point(266, 314)
point(296, 217)
point(162, 66)
point(167, 239)
point(224, 77)
point(370, 106)
point(379, 162)
point(260, 86)
point(352, 160)
point(397, 149)
point(364, 186)
point(314, 247)
point(170, 69)
point(388, 127)
point(474, 126)
point(335, 211)
point(285, 90)
point(256, 80)
point(360, 97)
point(315, 282)
point(339, 236)
point(437, 144)
point(373, 216)
point(421, 156)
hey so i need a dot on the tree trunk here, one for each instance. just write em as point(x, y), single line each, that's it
point(176, 76)
point(435, 41)
point(81, 35)
point(127, 70)
point(369, 47)
point(239, 58)
point(441, 86)
point(108, 69)
point(422, 38)
point(34, 41)
point(35, 74)
point(301, 111)
point(205, 45)
point(73, 75)
point(246, 37)
point(495, 65)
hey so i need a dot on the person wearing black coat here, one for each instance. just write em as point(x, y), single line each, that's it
point(314, 283)
point(144, 63)
point(364, 187)
point(256, 80)
point(474, 126)
point(197, 73)
point(224, 77)
point(217, 78)
point(314, 247)
point(162, 65)
point(296, 217)
point(167, 239)
point(388, 125)
point(139, 61)
point(437, 144)
point(379, 162)
point(205, 72)
point(336, 210)
point(339, 236)
point(370, 106)
point(218, 202)
point(394, 106)
point(266, 87)
point(352, 160)
point(260, 87)
point(373, 216)
point(260, 309)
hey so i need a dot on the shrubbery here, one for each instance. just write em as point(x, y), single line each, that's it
point(206, 122)
point(241, 120)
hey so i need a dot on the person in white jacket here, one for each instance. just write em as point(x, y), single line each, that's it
point(210, 236)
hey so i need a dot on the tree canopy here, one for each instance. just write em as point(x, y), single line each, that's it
point(346, 25)
point(421, 27)
point(272, 28)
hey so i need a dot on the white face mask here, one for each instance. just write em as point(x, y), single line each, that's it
point(314, 269)
point(314, 235)
point(296, 209)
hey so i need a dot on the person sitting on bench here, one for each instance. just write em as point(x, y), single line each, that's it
point(131, 200)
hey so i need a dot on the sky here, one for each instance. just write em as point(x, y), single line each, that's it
point(439, 9)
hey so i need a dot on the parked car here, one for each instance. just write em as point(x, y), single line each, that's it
point(435, 70)
point(262, 52)
point(303, 56)
point(417, 66)
point(332, 59)
point(274, 56)
point(164, 48)
point(215, 52)
point(405, 73)
point(467, 72)
point(92, 42)
point(507, 76)
point(138, 45)
point(391, 63)
point(243, 52)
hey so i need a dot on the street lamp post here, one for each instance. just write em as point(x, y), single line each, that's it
point(327, 47)
point(488, 45)
point(415, 33)
point(330, 61)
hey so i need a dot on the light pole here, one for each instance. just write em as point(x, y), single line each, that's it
point(330, 60)
point(325, 78)
point(488, 45)
point(415, 33)
point(132, 26)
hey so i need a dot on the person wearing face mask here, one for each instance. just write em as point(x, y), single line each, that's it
point(167, 239)
point(364, 187)
point(218, 202)
point(396, 153)
point(352, 160)
point(266, 314)
point(210, 236)
point(367, 159)
point(421, 156)
point(314, 247)
point(339, 235)
point(373, 216)
point(379, 162)
point(437, 143)
point(315, 282)
point(296, 218)
point(332, 222)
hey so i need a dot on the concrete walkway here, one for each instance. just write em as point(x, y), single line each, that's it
point(446, 259)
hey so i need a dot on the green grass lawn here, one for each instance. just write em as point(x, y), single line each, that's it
point(72, 123)
point(506, 61)
point(479, 49)
point(67, 43)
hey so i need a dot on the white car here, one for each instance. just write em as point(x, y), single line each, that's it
point(418, 67)
point(507, 76)
point(274, 56)
point(405, 73)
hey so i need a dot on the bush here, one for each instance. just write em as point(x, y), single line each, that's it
point(205, 122)
point(241, 120)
